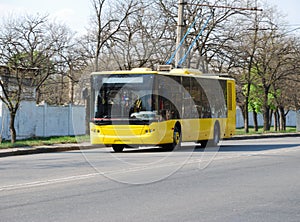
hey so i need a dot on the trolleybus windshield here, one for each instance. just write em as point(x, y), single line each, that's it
point(121, 97)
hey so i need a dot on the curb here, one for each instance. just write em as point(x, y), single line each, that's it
point(261, 136)
point(83, 146)
point(46, 149)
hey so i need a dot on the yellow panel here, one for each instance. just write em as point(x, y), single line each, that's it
point(155, 133)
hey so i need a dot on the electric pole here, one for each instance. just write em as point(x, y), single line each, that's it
point(180, 27)
point(181, 24)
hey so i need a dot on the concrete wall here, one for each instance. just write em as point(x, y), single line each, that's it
point(298, 121)
point(290, 119)
point(44, 120)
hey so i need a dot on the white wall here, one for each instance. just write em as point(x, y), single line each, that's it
point(290, 119)
point(298, 120)
point(44, 120)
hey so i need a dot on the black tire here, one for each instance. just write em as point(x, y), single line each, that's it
point(176, 139)
point(203, 143)
point(216, 139)
point(118, 148)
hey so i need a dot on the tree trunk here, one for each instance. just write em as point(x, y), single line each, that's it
point(270, 117)
point(276, 114)
point(71, 91)
point(246, 114)
point(266, 115)
point(266, 109)
point(12, 129)
point(282, 119)
point(37, 96)
point(246, 121)
point(255, 121)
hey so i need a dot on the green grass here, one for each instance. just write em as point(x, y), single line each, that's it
point(39, 141)
point(241, 131)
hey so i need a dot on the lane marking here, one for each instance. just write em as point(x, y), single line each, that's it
point(47, 182)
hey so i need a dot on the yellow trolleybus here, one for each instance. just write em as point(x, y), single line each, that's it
point(142, 107)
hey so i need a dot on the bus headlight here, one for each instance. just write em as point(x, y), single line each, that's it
point(149, 130)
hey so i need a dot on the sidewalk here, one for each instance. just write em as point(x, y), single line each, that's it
point(47, 149)
point(86, 145)
point(266, 135)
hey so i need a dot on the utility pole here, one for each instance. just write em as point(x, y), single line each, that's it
point(181, 24)
point(180, 27)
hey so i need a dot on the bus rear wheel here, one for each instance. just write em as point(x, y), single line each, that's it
point(216, 138)
point(118, 148)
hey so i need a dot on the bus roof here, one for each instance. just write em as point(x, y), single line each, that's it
point(133, 71)
point(175, 72)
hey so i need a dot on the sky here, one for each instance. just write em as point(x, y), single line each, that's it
point(76, 13)
point(290, 8)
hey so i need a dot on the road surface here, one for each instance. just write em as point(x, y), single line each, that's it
point(243, 180)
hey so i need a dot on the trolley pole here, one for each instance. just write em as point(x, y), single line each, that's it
point(180, 27)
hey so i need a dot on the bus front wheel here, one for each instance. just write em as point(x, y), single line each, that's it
point(118, 148)
point(203, 143)
point(176, 139)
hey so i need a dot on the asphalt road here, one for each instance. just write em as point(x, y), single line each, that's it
point(243, 180)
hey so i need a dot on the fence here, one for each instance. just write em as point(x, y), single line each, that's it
point(290, 119)
point(43, 120)
point(298, 121)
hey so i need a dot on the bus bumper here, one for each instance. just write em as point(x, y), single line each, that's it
point(153, 134)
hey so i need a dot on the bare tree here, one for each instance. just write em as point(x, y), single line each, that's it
point(29, 47)
point(272, 63)
point(264, 58)
point(15, 84)
point(242, 50)
point(107, 21)
point(285, 95)
point(143, 40)
point(73, 63)
point(148, 37)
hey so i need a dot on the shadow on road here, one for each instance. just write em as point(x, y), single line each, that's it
point(256, 147)
point(222, 148)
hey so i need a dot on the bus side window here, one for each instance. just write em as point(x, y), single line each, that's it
point(167, 109)
point(163, 114)
point(174, 114)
